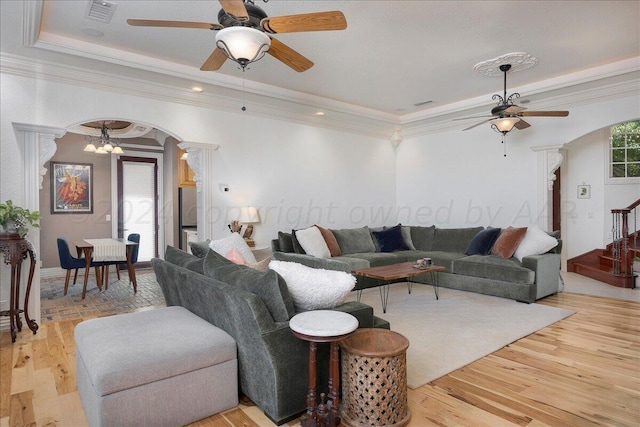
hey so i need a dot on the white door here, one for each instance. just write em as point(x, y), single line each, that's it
point(138, 201)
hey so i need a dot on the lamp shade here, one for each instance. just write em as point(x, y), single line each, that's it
point(504, 124)
point(243, 44)
point(90, 148)
point(249, 215)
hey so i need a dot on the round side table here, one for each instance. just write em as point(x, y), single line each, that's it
point(316, 327)
point(374, 379)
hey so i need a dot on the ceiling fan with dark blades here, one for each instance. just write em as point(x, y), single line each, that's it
point(244, 14)
point(507, 115)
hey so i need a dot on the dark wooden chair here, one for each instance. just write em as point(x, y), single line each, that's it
point(69, 262)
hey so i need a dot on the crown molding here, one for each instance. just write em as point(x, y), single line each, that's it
point(213, 98)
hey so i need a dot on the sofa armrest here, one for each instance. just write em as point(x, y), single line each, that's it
point(313, 262)
point(547, 270)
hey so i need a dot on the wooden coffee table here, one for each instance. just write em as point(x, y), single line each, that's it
point(394, 273)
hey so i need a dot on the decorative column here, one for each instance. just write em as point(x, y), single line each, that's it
point(201, 160)
point(550, 158)
point(37, 146)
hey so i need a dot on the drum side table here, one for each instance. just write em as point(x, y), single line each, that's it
point(374, 379)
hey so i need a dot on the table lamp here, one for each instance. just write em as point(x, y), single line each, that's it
point(249, 215)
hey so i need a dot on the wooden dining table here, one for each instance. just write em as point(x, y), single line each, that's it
point(86, 248)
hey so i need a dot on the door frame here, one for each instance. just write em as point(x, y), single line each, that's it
point(159, 157)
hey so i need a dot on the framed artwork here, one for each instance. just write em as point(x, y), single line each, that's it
point(584, 191)
point(71, 188)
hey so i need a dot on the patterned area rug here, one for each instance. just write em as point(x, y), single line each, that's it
point(119, 298)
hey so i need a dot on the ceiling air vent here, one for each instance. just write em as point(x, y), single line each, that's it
point(100, 10)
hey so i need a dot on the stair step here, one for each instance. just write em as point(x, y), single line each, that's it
point(604, 274)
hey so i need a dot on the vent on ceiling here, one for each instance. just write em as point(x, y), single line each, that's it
point(421, 103)
point(100, 10)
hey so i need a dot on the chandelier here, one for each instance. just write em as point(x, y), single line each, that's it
point(105, 144)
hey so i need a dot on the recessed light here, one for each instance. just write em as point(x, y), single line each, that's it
point(320, 113)
point(197, 89)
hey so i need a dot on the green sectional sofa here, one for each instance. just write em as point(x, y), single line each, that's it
point(535, 277)
point(254, 308)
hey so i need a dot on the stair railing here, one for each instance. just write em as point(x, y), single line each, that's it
point(620, 250)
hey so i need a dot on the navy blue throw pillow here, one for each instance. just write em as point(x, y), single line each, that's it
point(391, 239)
point(482, 243)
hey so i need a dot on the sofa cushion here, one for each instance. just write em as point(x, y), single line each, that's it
point(313, 243)
point(313, 288)
point(454, 239)
point(269, 286)
point(213, 259)
point(391, 239)
point(422, 237)
point(494, 267)
point(233, 241)
point(535, 242)
point(354, 240)
point(376, 259)
point(330, 240)
point(183, 259)
point(285, 242)
point(200, 249)
point(297, 247)
point(482, 243)
point(406, 235)
point(508, 241)
point(353, 262)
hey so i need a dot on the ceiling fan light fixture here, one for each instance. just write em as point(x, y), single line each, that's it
point(243, 45)
point(504, 125)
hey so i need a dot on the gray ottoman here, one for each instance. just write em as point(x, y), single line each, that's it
point(162, 367)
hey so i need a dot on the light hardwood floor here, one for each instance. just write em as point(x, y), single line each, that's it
point(581, 371)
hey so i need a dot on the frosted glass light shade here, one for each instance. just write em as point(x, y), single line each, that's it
point(90, 148)
point(117, 150)
point(108, 147)
point(243, 44)
point(101, 150)
point(249, 215)
point(505, 124)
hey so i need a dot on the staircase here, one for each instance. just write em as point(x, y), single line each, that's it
point(614, 264)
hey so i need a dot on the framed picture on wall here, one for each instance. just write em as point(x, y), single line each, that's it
point(584, 191)
point(71, 188)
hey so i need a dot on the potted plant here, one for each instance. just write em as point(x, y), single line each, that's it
point(15, 219)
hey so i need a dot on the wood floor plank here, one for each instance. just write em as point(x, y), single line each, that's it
point(62, 368)
point(22, 413)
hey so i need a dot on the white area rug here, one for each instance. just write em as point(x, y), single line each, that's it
point(456, 330)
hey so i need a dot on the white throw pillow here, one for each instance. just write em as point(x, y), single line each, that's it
point(234, 241)
point(313, 243)
point(314, 288)
point(535, 242)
